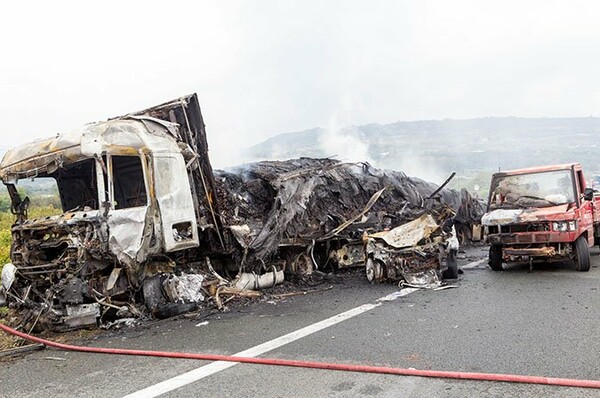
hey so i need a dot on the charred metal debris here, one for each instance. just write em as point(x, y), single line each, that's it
point(149, 229)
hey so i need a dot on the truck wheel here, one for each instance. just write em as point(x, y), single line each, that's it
point(495, 259)
point(374, 269)
point(582, 255)
point(452, 271)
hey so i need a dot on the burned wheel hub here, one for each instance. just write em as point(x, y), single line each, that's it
point(374, 270)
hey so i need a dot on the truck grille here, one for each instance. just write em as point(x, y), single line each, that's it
point(514, 228)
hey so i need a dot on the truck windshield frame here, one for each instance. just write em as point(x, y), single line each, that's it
point(69, 188)
point(536, 189)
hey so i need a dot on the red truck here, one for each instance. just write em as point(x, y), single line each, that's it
point(542, 213)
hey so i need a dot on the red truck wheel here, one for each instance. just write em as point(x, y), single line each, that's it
point(582, 255)
point(495, 259)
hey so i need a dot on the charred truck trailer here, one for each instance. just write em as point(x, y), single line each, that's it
point(142, 206)
point(542, 213)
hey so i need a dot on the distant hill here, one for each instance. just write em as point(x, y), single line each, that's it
point(433, 148)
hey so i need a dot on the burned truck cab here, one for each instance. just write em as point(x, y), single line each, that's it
point(126, 198)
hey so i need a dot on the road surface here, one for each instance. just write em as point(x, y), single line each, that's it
point(543, 323)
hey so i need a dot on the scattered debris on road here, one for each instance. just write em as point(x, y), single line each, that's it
point(21, 350)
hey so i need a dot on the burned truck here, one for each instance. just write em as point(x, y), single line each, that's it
point(136, 192)
point(143, 213)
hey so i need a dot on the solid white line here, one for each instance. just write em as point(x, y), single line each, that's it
point(215, 367)
point(404, 292)
point(474, 263)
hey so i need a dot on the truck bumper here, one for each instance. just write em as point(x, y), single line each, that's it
point(539, 238)
point(546, 251)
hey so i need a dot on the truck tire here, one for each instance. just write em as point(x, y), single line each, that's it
point(495, 259)
point(582, 255)
point(452, 271)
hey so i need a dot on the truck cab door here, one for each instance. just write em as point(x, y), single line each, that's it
point(586, 207)
point(130, 223)
point(176, 207)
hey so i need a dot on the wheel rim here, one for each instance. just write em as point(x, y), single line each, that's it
point(374, 270)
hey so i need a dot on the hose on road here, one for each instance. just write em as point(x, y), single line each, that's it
point(318, 365)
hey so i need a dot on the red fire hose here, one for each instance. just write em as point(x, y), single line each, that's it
point(319, 365)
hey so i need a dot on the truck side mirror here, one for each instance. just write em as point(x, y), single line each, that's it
point(588, 194)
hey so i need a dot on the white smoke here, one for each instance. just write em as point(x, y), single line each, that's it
point(415, 165)
point(344, 144)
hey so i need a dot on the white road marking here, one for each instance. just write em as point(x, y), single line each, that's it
point(215, 367)
point(475, 263)
point(401, 293)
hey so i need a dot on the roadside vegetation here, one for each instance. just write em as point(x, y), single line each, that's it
point(6, 220)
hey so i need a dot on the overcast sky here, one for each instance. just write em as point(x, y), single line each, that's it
point(262, 67)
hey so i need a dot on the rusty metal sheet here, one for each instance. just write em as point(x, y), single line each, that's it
point(409, 234)
point(349, 255)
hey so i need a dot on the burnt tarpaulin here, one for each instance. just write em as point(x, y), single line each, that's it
point(301, 201)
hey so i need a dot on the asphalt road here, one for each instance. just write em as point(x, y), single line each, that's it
point(543, 323)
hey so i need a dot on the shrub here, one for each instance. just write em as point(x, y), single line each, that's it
point(5, 240)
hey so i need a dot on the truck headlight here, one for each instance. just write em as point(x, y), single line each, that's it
point(564, 226)
point(560, 226)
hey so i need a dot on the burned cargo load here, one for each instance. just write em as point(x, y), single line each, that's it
point(318, 213)
point(147, 227)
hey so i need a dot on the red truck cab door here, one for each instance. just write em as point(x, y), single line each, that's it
point(587, 213)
